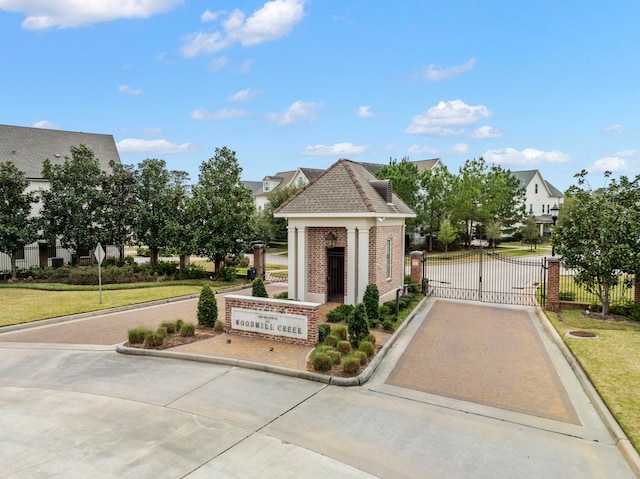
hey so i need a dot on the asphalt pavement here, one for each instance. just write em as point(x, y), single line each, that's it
point(71, 406)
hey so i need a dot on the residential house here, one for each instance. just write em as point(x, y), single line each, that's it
point(27, 148)
point(540, 196)
point(298, 177)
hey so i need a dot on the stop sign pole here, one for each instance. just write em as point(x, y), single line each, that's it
point(99, 254)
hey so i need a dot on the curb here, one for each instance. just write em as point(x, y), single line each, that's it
point(621, 440)
point(359, 380)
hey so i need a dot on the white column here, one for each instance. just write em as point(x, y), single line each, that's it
point(301, 273)
point(363, 262)
point(293, 255)
point(352, 261)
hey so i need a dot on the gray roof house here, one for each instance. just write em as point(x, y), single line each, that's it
point(27, 148)
point(540, 198)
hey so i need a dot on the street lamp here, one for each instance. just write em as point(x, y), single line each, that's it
point(554, 217)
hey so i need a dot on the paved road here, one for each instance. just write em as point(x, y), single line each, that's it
point(82, 410)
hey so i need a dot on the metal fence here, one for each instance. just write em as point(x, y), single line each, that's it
point(570, 291)
point(42, 256)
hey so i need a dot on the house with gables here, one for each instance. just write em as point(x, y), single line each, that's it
point(541, 196)
point(27, 148)
point(345, 230)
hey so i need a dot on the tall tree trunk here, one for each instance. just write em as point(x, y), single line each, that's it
point(14, 274)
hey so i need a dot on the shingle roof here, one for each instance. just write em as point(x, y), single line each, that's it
point(526, 176)
point(253, 185)
point(344, 188)
point(28, 147)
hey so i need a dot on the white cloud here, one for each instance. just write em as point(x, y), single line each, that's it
point(45, 124)
point(244, 95)
point(434, 73)
point(274, 20)
point(614, 129)
point(209, 16)
point(153, 131)
point(218, 63)
point(43, 14)
point(610, 163)
point(485, 132)
point(365, 111)
point(136, 145)
point(246, 67)
point(224, 114)
point(127, 90)
point(447, 118)
point(526, 157)
point(338, 149)
point(457, 149)
point(627, 153)
point(299, 110)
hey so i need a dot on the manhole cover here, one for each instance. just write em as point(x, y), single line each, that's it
point(581, 335)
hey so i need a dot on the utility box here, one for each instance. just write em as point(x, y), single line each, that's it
point(57, 262)
point(251, 274)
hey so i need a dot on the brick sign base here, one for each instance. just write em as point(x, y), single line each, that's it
point(292, 322)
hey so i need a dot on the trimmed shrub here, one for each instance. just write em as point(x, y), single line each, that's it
point(179, 324)
point(367, 348)
point(567, 296)
point(137, 335)
point(372, 338)
point(167, 268)
point(162, 331)
point(414, 287)
point(391, 305)
point(340, 332)
point(283, 295)
point(362, 357)
point(373, 323)
point(358, 326)
point(188, 329)
point(324, 330)
point(336, 356)
point(371, 300)
point(258, 289)
point(207, 307)
point(218, 326)
point(340, 313)
point(193, 271)
point(322, 361)
point(388, 325)
point(351, 365)
point(344, 347)
point(331, 340)
point(228, 273)
point(169, 326)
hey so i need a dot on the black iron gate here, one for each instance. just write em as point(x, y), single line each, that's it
point(335, 275)
point(479, 275)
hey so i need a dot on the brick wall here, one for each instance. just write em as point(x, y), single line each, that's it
point(317, 257)
point(378, 236)
point(553, 285)
point(274, 306)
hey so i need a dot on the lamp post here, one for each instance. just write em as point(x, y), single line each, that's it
point(554, 217)
point(330, 240)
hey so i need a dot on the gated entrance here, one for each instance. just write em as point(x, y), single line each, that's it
point(335, 275)
point(479, 275)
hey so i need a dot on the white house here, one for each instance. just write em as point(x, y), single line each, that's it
point(540, 198)
point(27, 148)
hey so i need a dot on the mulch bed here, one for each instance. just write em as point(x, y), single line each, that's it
point(174, 339)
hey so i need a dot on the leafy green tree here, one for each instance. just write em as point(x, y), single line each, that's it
point(223, 209)
point(181, 230)
point(447, 233)
point(434, 197)
point(598, 234)
point(275, 228)
point(467, 197)
point(358, 325)
point(120, 189)
point(502, 199)
point(493, 232)
point(157, 204)
point(73, 206)
point(371, 301)
point(403, 175)
point(207, 307)
point(530, 233)
point(17, 227)
point(258, 289)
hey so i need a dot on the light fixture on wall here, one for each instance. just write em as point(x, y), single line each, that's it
point(330, 240)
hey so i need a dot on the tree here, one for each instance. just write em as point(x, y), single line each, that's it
point(223, 209)
point(503, 199)
point(371, 301)
point(120, 189)
point(155, 210)
point(434, 197)
point(17, 227)
point(258, 289)
point(530, 233)
point(403, 176)
point(447, 233)
point(467, 197)
point(494, 231)
point(270, 227)
point(73, 206)
point(598, 234)
point(207, 307)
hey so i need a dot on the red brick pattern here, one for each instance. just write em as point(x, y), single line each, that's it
point(278, 307)
point(378, 236)
point(317, 257)
point(553, 285)
point(416, 267)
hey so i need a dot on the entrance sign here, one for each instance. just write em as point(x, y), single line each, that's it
point(268, 322)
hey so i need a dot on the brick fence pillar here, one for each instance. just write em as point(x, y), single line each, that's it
point(417, 258)
point(553, 284)
point(636, 295)
point(258, 260)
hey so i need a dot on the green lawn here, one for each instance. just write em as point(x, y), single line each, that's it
point(611, 362)
point(24, 304)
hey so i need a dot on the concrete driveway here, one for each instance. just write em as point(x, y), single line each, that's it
point(83, 410)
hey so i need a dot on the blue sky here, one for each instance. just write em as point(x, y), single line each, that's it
point(548, 85)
